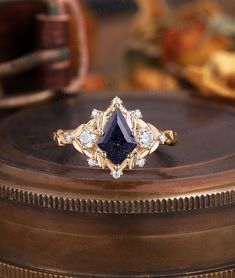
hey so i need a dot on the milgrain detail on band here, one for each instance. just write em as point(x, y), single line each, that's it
point(119, 206)
point(10, 271)
point(221, 274)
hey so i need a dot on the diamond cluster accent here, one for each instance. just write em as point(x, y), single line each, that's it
point(87, 138)
point(145, 138)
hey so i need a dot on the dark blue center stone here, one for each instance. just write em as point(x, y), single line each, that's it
point(117, 141)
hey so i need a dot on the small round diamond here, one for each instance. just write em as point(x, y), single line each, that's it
point(87, 138)
point(68, 138)
point(162, 138)
point(141, 162)
point(92, 162)
point(116, 100)
point(138, 113)
point(116, 174)
point(95, 113)
point(145, 138)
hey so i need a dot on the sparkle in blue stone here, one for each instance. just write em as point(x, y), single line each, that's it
point(117, 141)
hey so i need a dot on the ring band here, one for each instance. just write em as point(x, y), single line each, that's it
point(116, 138)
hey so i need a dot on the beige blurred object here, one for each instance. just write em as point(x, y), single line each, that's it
point(175, 35)
point(191, 10)
point(154, 80)
point(216, 77)
point(223, 63)
point(194, 32)
point(94, 83)
point(149, 12)
point(151, 9)
point(204, 47)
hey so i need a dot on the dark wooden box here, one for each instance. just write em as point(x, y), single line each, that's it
point(173, 218)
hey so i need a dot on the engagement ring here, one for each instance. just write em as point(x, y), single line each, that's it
point(116, 138)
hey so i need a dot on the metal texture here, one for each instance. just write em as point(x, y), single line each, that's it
point(174, 218)
point(7, 271)
point(181, 204)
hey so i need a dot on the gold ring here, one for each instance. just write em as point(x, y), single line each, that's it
point(116, 138)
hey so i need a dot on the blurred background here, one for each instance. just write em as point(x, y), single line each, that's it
point(54, 47)
point(118, 20)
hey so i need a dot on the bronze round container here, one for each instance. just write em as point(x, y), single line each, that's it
point(173, 218)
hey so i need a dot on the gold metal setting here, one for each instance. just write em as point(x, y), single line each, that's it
point(85, 137)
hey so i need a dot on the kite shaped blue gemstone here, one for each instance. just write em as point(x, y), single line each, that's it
point(117, 141)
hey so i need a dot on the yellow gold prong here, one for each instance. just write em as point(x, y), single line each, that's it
point(62, 137)
point(171, 137)
point(104, 155)
point(77, 146)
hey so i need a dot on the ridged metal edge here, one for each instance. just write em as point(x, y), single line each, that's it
point(192, 203)
point(11, 271)
point(221, 274)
